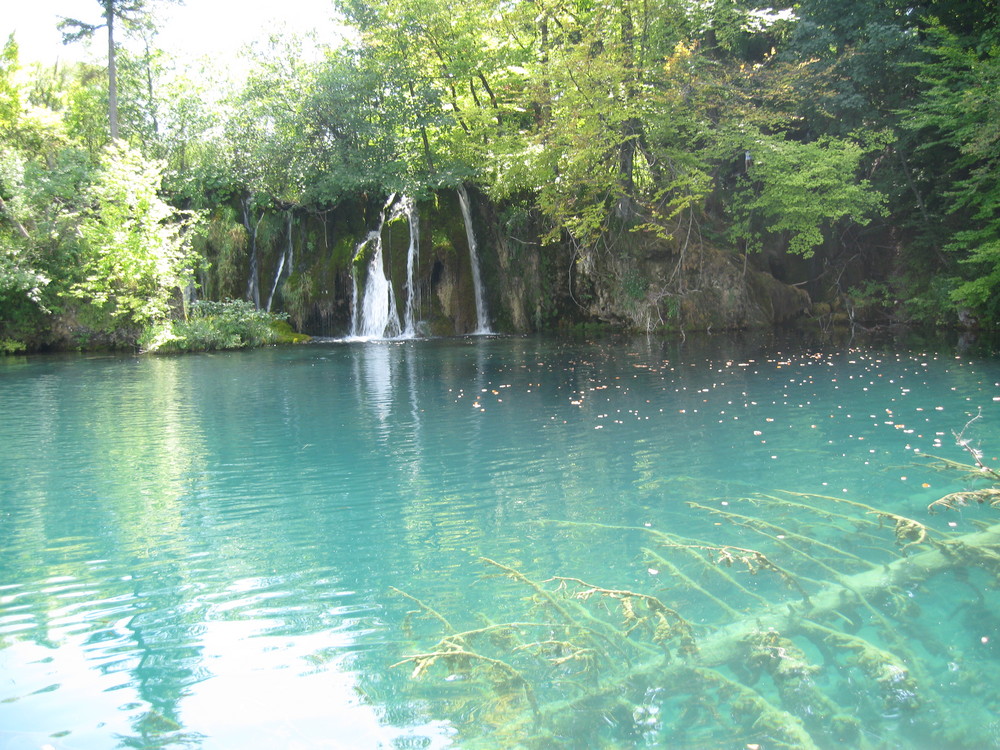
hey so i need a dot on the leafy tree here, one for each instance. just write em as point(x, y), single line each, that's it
point(190, 119)
point(10, 96)
point(613, 76)
point(136, 249)
point(24, 274)
point(446, 67)
point(86, 114)
point(125, 12)
point(269, 149)
point(22, 281)
point(958, 115)
point(10, 115)
point(797, 189)
point(352, 132)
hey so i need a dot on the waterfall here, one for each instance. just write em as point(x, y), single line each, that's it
point(482, 317)
point(374, 313)
point(253, 282)
point(409, 209)
point(286, 260)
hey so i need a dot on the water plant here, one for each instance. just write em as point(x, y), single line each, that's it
point(787, 620)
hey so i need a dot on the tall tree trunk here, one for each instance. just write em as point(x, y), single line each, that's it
point(109, 14)
point(423, 137)
point(632, 127)
point(150, 97)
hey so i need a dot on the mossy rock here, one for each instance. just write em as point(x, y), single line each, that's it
point(283, 334)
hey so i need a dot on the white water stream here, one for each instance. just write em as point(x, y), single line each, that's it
point(375, 313)
point(482, 316)
point(407, 207)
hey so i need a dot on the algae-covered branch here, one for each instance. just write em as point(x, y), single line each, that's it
point(793, 621)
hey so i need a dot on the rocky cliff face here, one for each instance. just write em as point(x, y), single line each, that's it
point(644, 283)
point(641, 283)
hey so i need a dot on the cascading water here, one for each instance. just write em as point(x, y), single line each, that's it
point(482, 316)
point(374, 313)
point(408, 208)
point(284, 262)
point(253, 282)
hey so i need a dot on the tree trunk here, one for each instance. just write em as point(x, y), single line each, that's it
point(423, 136)
point(151, 98)
point(20, 227)
point(109, 14)
point(632, 127)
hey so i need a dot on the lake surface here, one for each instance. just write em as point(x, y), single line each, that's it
point(278, 548)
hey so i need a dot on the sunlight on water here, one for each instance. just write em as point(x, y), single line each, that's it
point(645, 543)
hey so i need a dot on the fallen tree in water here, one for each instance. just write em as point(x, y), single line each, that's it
point(813, 636)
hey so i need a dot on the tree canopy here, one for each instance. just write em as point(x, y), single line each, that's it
point(860, 137)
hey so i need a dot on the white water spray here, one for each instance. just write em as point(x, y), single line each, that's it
point(482, 316)
point(408, 208)
point(374, 313)
point(286, 260)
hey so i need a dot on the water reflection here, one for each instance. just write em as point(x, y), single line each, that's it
point(375, 380)
point(204, 551)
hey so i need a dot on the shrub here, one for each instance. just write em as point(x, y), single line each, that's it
point(231, 324)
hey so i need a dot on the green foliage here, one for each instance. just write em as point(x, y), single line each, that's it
point(29, 258)
point(612, 153)
point(136, 249)
point(223, 244)
point(960, 111)
point(232, 324)
point(982, 292)
point(19, 280)
point(86, 118)
point(352, 132)
point(451, 80)
point(929, 299)
point(10, 97)
point(798, 189)
point(620, 127)
point(9, 346)
point(193, 110)
point(266, 149)
point(871, 299)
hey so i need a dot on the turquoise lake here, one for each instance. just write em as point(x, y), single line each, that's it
point(499, 542)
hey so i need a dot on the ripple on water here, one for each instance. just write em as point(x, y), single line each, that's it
point(217, 545)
